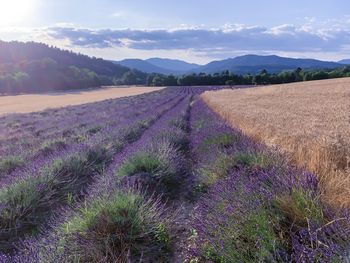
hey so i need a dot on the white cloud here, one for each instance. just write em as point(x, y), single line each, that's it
point(197, 43)
point(239, 37)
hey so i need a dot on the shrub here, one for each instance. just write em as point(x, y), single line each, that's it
point(133, 133)
point(117, 145)
point(224, 164)
point(299, 208)
point(81, 138)
point(254, 241)
point(29, 202)
point(250, 160)
point(212, 172)
point(180, 123)
point(52, 146)
point(95, 129)
point(233, 224)
point(120, 228)
point(224, 140)
point(161, 162)
point(24, 205)
point(9, 164)
point(142, 162)
point(178, 139)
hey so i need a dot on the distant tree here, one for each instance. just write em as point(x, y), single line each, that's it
point(230, 83)
point(158, 81)
point(129, 78)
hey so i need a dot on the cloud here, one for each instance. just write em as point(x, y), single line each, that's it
point(285, 38)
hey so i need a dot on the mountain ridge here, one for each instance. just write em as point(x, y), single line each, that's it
point(344, 61)
point(239, 65)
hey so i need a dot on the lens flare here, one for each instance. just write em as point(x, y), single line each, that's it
point(13, 12)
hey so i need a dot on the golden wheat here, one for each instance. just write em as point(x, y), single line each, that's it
point(309, 120)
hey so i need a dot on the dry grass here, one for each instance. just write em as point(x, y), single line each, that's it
point(36, 102)
point(310, 121)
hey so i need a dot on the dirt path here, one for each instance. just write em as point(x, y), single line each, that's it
point(35, 102)
point(184, 205)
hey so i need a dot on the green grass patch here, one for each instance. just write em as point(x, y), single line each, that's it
point(161, 162)
point(298, 208)
point(142, 162)
point(252, 160)
point(10, 163)
point(30, 201)
point(122, 211)
point(250, 240)
point(21, 195)
point(224, 140)
point(123, 226)
point(50, 146)
point(211, 173)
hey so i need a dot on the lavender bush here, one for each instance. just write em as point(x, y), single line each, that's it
point(157, 177)
point(257, 207)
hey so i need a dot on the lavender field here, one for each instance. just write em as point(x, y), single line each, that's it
point(157, 177)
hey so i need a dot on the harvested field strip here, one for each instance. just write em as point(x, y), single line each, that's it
point(309, 121)
point(37, 102)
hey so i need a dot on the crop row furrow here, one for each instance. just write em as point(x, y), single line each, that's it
point(29, 202)
point(13, 164)
point(125, 216)
point(73, 127)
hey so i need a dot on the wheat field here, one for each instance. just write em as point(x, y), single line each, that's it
point(309, 121)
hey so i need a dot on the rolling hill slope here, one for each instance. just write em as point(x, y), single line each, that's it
point(344, 61)
point(174, 65)
point(159, 65)
point(28, 67)
point(254, 64)
point(143, 65)
point(239, 65)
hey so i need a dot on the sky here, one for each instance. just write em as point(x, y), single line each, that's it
point(197, 31)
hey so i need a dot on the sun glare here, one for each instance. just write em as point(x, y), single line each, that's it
point(15, 11)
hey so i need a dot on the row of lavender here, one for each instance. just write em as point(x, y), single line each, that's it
point(38, 134)
point(37, 193)
point(254, 206)
point(31, 196)
point(115, 197)
point(124, 217)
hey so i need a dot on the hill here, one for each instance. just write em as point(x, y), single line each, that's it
point(344, 61)
point(248, 64)
point(28, 67)
point(173, 64)
point(142, 65)
point(254, 64)
point(159, 65)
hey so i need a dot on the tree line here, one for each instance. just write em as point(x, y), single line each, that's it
point(263, 78)
point(36, 67)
